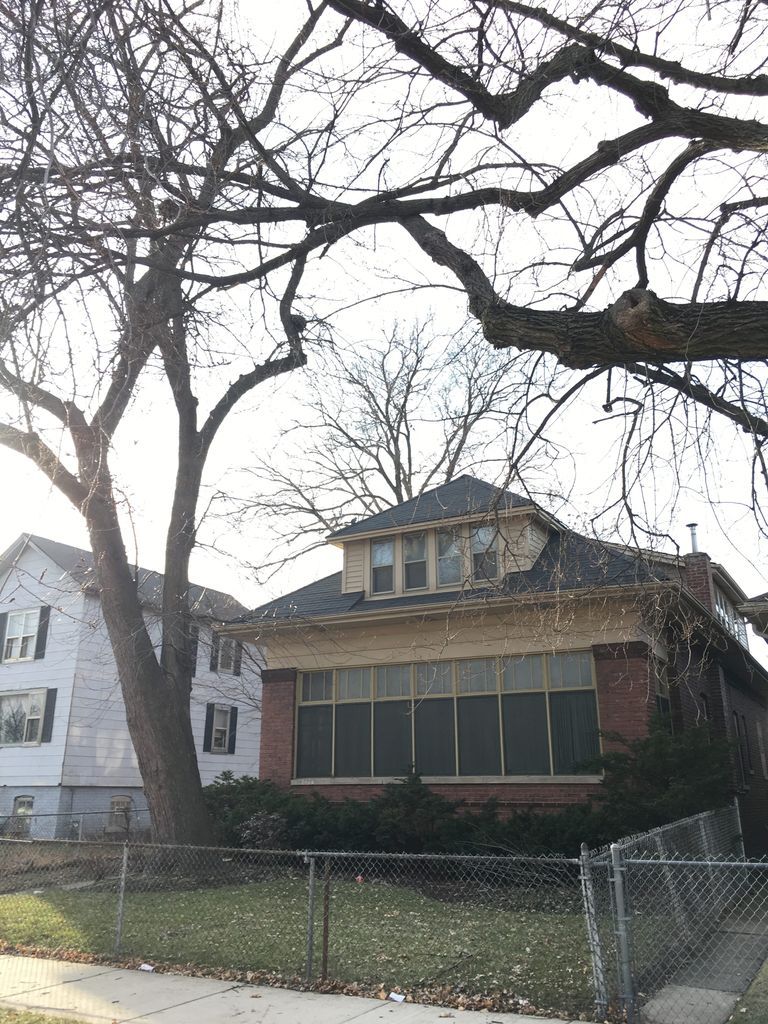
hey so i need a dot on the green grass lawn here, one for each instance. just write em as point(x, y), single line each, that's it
point(752, 1008)
point(24, 1017)
point(379, 933)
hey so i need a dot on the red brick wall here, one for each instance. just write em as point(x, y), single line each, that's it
point(697, 577)
point(753, 799)
point(512, 796)
point(626, 696)
point(278, 702)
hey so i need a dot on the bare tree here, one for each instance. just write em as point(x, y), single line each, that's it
point(382, 424)
point(164, 186)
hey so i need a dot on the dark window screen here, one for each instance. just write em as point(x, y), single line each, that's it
point(392, 738)
point(479, 744)
point(526, 744)
point(435, 743)
point(313, 754)
point(353, 740)
point(574, 731)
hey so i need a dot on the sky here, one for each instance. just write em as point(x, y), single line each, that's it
point(144, 446)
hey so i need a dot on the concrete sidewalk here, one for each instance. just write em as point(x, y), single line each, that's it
point(111, 996)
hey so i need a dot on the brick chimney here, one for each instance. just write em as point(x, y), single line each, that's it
point(697, 577)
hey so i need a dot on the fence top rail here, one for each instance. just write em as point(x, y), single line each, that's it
point(235, 852)
point(604, 852)
point(678, 862)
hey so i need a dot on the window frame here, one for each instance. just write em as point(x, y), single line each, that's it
point(456, 695)
point(460, 540)
point(226, 643)
point(32, 637)
point(414, 561)
point(475, 528)
point(224, 749)
point(390, 565)
point(42, 695)
point(125, 812)
point(21, 817)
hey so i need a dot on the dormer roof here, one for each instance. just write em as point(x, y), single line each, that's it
point(464, 496)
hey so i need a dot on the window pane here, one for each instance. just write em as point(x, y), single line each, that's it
point(13, 717)
point(525, 673)
point(354, 683)
point(226, 655)
point(434, 677)
point(477, 675)
point(570, 670)
point(448, 556)
point(32, 730)
point(479, 744)
point(415, 547)
point(382, 552)
point(313, 742)
point(383, 579)
point(392, 753)
point(526, 742)
point(435, 743)
point(484, 556)
point(317, 685)
point(353, 740)
point(574, 731)
point(415, 575)
point(393, 681)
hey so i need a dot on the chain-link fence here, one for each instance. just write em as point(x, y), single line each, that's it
point(679, 921)
point(663, 927)
point(113, 825)
point(497, 932)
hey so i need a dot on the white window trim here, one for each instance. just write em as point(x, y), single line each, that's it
point(43, 695)
point(16, 613)
point(227, 710)
point(120, 816)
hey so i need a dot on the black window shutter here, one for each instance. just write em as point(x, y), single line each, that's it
point(208, 733)
point(238, 662)
point(42, 632)
point(194, 640)
point(214, 652)
point(3, 627)
point(50, 708)
point(232, 730)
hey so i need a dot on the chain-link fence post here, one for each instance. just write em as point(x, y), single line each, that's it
point(311, 917)
point(593, 933)
point(121, 901)
point(623, 923)
point(326, 916)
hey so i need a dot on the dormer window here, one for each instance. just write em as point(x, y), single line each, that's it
point(485, 556)
point(448, 557)
point(415, 560)
point(383, 566)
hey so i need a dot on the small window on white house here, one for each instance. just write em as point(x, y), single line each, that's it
point(220, 735)
point(21, 635)
point(21, 717)
point(22, 815)
point(226, 655)
point(120, 808)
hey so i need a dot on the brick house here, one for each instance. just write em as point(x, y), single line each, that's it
point(472, 636)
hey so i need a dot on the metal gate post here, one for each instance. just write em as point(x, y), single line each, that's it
point(311, 919)
point(593, 933)
point(623, 922)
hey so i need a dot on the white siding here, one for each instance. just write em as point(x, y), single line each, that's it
point(354, 566)
point(99, 750)
point(35, 581)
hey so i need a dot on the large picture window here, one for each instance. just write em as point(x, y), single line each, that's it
point(529, 715)
point(21, 717)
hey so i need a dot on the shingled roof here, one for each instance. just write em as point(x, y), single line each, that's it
point(466, 495)
point(568, 562)
point(78, 564)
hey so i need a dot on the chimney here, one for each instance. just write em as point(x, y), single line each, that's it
point(694, 540)
point(697, 575)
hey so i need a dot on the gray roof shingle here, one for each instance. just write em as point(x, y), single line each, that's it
point(466, 495)
point(567, 562)
point(79, 565)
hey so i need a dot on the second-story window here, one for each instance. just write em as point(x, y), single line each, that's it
point(382, 566)
point(485, 556)
point(415, 560)
point(448, 557)
point(21, 635)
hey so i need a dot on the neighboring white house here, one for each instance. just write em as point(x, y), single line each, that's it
point(64, 743)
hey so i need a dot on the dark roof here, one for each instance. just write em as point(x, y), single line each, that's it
point(568, 561)
point(79, 565)
point(760, 599)
point(466, 495)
